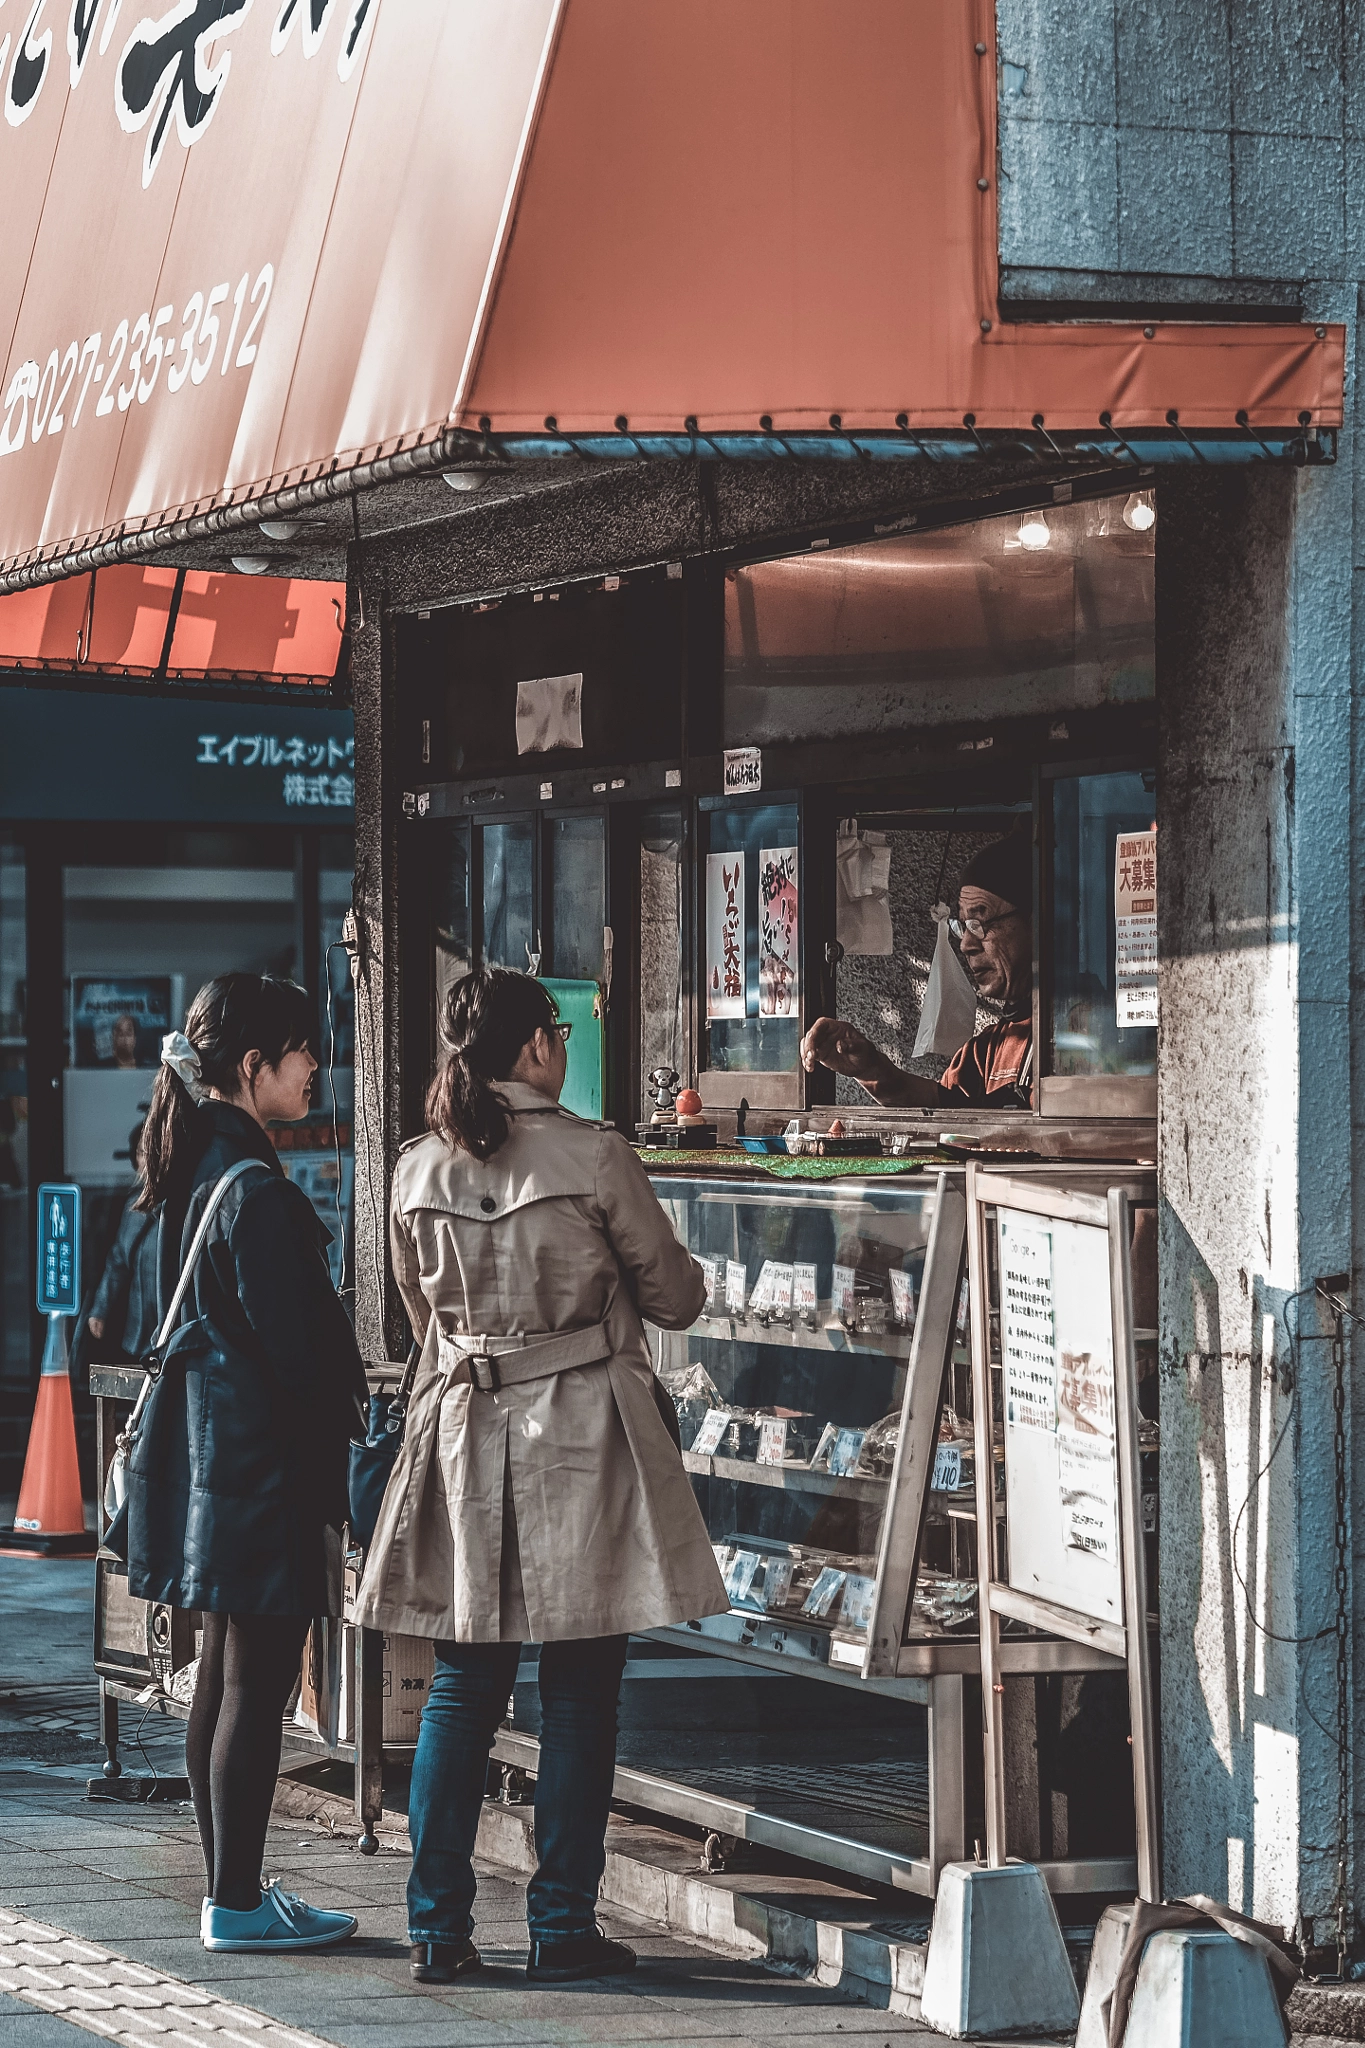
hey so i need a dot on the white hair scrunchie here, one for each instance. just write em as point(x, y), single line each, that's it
point(180, 1056)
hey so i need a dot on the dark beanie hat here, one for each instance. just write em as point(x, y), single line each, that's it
point(1005, 867)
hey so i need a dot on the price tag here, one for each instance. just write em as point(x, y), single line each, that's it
point(903, 1297)
point(736, 1280)
point(805, 1300)
point(740, 1576)
point(822, 1594)
point(777, 1582)
point(856, 1608)
point(841, 1291)
point(947, 1468)
point(782, 1282)
point(762, 1297)
point(772, 1440)
point(715, 1422)
point(843, 1456)
point(710, 1269)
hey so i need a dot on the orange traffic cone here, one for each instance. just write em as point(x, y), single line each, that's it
point(50, 1518)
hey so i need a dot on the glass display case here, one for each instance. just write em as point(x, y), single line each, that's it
point(822, 1400)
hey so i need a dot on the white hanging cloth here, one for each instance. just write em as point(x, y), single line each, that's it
point(948, 1018)
point(862, 871)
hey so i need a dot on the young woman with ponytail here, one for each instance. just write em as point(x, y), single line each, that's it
point(539, 1495)
point(230, 1497)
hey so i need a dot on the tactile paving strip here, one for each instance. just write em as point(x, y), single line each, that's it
point(107, 1994)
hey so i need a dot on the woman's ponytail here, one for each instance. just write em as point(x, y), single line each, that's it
point(167, 1136)
point(487, 1019)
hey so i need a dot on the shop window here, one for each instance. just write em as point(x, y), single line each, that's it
point(454, 944)
point(508, 894)
point(14, 1220)
point(578, 895)
point(752, 992)
point(1103, 937)
point(1045, 611)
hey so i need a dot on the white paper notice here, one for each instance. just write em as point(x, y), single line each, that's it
point(1027, 1348)
point(1085, 1471)
point(947, 1469)
point(736, 1279)
point(805, 1300)
point(549, 714)
point(726, 959)
point(772, 1440)
point(779, 981)
point(1135, 929)
point(715, 1422)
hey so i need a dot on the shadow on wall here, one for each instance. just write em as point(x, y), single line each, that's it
point(1233, 1716)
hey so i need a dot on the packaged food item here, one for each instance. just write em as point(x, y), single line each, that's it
point(692, 1391)
point(943, 1606)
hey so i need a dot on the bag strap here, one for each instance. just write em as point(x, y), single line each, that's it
point(211, 1209)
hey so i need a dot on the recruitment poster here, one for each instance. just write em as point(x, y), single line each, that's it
point(1135, 929)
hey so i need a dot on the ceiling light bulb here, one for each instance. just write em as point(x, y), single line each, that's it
point(1034, 531)
point(252, 565)
point(465, 479)
point(281, 529)
point(1140, 511)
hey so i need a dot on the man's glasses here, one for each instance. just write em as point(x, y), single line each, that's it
point(977, 926)
point(564, 1030)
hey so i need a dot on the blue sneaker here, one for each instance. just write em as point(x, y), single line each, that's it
point(281, 1921)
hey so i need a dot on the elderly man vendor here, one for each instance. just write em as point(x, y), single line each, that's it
point(995, 932)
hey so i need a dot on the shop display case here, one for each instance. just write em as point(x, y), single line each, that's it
point(821, 1404)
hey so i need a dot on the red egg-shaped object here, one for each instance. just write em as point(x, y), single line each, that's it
point(688, 1103)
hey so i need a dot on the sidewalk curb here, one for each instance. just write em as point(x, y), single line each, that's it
point(865, 1967)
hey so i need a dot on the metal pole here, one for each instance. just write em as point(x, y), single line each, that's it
point(992, 1680)
point(1134, 1558)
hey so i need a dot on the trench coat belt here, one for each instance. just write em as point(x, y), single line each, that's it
point(491, 1363)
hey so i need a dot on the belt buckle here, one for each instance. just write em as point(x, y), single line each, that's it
point(483, 1372)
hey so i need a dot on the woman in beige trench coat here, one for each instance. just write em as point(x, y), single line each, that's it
point(539, 1495)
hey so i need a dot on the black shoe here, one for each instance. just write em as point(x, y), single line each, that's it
point(441, 1962)
point(592, 1955)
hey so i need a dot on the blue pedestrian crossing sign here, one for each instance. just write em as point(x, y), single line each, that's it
point(59, 1249)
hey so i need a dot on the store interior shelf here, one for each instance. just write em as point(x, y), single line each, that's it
point(827, 1336)
point(800, 1478)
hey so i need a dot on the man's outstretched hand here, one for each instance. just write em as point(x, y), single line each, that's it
point(842, 1048)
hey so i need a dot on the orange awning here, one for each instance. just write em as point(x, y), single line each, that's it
point(115, 621)
point(250, 249)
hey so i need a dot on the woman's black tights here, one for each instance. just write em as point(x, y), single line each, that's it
point(247, 1669)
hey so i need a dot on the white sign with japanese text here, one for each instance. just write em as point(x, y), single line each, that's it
point(726, 954)
point(1135, 929)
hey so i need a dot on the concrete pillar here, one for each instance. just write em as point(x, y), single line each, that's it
point(1254, 689)
point(380, 1325)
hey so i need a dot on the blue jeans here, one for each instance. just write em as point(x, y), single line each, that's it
point(580, 1684)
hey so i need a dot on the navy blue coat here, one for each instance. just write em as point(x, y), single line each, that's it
point(242, 1458)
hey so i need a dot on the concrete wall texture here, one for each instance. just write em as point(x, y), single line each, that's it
point(1166, 157)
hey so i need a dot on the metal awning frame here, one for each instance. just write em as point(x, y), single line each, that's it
point(457, 447)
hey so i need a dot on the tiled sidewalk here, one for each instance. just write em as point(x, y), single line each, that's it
point(128, 1881)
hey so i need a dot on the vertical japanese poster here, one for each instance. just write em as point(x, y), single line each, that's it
point(778, 932)
point(1061, 1467)
point(725, 948)
point(1135, 929)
